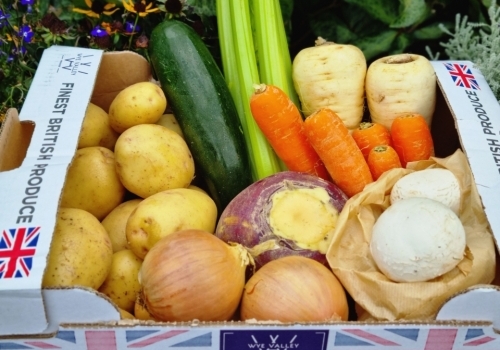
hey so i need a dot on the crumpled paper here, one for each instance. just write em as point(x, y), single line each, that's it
point(377, 297)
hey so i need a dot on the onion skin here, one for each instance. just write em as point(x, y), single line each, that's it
point(192, 275)
point(294, 289)
point(246, 219)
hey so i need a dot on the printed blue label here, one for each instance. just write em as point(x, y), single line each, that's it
point(273, 339)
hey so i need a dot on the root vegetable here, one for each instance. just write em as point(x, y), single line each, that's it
point(139, 103)
point(402, 83)
point(338, 151)
point(381, 159)
point(411, 138)
point(115, 223)
point(151, 158)
point(294, 289)
point(92, 183)
point(167, 212)
point(96, 130)
point(80, 251)
point(280, 121)
point(369, 135)
point(288, 213)
point(331, 75)
point(122, 283)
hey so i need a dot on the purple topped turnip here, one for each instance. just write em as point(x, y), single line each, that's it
point(287, 213)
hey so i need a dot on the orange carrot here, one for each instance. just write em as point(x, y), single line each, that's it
point(411, 138)
point(338, 150)
point(381, 159)
point(369, 135)
point(280, 121)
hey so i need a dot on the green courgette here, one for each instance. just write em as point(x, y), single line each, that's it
point(202, 104)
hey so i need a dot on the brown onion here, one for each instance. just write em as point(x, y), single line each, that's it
point(193, 275)
point(294, 289)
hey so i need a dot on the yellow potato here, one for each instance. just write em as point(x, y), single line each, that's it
point(80, 252)
point(116, 221)
point(125, 315)
point(167, 212)
point(169, 121)
point(122, 283)
point(96, 130)
point(92, 183)
point(194, 187)
point(151, 158)
point(140, 103)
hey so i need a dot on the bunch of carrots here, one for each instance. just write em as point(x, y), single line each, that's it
point(323, 146)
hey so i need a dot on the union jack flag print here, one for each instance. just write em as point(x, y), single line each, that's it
point(462, 75)
point(17, 248)
point(212, 338)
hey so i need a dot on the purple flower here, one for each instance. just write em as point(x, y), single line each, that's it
point(26, 33)
point(3, 15)
point(3, 18)
point(16, 52)
point(98, 32)
point(129, 27)
point(29, 4)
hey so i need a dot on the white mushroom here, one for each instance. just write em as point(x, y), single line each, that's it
point(435, 183)
point(417, 239)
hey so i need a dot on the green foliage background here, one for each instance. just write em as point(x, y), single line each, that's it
point(378, 27)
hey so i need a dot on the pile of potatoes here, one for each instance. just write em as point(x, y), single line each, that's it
point(129, 185)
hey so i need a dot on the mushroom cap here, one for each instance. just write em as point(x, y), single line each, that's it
point(435, 183)
point(417, 239)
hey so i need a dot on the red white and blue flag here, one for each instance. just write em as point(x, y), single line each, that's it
point(154, 338)
point(462, 75)
point(17, 249)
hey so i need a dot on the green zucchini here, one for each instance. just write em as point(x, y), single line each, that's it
point(202, 104)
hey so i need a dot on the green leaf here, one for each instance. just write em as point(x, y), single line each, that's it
point(376, 45)
point(401, 43)
point(286, 9)
point(429, 32)
point(203, 7)
point(332, 29)
point(411, 12)
point(286, 12)
point(383, 10)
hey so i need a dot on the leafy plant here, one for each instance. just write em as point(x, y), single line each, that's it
point(478, 43)
point(27, 27)
point(379, 27)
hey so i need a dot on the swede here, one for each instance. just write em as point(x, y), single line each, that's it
point(287, 213)
point(402, 83)
point(331, 75)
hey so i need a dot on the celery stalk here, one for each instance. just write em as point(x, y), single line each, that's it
point(228, 55)
point(286, 59)
point(241, 72)
point(274, 61)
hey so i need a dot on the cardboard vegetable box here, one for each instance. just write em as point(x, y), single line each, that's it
point(37, 147)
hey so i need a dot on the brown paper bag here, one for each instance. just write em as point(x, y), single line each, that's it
point(350, 258)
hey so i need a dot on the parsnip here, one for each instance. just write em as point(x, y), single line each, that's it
point(331, 75)
point(403, 83)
